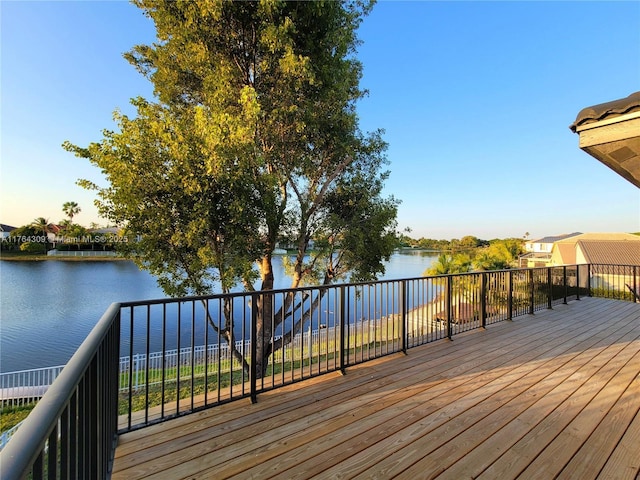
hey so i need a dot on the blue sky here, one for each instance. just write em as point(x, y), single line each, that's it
point(475, 97)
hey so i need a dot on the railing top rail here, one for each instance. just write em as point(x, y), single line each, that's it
point(478, 272)
point(195, 298)
point(27, 442)
point(218, 296)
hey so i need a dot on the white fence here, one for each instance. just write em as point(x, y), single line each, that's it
point(6, 435)
point(26, 386)
point(172, 359)
point(82, 253)
point(212, 355)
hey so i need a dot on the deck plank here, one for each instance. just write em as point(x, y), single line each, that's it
point(463, 433)
point(334, 417)
point(403, 421)
point(566, 402)
point(595, 451)
point(624, 462)
point(555, 393)
point(504, 415)
point(518, 415)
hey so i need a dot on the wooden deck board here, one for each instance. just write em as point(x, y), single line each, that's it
point(556, 393)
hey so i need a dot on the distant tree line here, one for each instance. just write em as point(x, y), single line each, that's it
point(468, 253)
point(41, 235)
point(464, 243)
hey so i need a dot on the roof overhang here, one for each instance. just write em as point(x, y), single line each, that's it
point(610, 132)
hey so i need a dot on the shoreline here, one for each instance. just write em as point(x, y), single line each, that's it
point(70, 258)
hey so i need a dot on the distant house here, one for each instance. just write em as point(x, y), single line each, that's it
point(5, 230)
point(613, 256)
point(603, 248)
point(54, 232)
point(545, 244)
point(539, 251)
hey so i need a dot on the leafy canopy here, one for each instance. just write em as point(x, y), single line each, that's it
point(252, 139)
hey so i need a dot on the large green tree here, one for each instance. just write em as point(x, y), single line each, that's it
point(252, 137)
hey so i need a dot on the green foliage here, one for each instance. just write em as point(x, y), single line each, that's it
point(498, 255)
point(25, 231)
point(254, 139)
point(20, 235)
point(615, 294)
point(74, 230)
point(161, 189)
point(449, 264)
point(32, 247)
point(42, 225)
point(470, 241)
point(11, 416)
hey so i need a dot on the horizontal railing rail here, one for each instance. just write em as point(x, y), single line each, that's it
point(186, 354)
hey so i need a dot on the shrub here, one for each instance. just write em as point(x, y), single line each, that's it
point(32, 247)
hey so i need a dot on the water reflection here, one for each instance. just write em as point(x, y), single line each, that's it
point(47, 308)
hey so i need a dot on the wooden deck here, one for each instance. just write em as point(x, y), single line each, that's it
point(553, 395)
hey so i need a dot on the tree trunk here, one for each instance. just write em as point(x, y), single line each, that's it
point(264, 317)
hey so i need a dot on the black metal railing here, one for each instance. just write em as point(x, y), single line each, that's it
point(72, 431)
point(279, 337)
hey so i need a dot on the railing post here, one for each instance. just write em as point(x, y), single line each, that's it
point(532, 292)
point(510, 294)
point(403, 315)
point(136, 369)
point(114, 375)
point(589, 279)
point(448, 305)
point(483, 299)
point(93, 419)
point(254, 348)
point(343, 327)
point(635, 282)
point(564, 279)
point(131, 372)
point(577, 282)
point(549, 289)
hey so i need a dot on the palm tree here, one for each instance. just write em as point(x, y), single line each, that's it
point(65, 224)
point(70, 209)
point(42, 225)
point(488, 261)
point(447, 264)
point(442, 266)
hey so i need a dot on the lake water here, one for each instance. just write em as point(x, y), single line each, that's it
point(47, 308)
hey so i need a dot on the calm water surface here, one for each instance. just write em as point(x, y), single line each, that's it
point(47, 308)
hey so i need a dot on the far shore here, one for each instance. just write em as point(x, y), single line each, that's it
point(38, 257)
point(22, 257)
